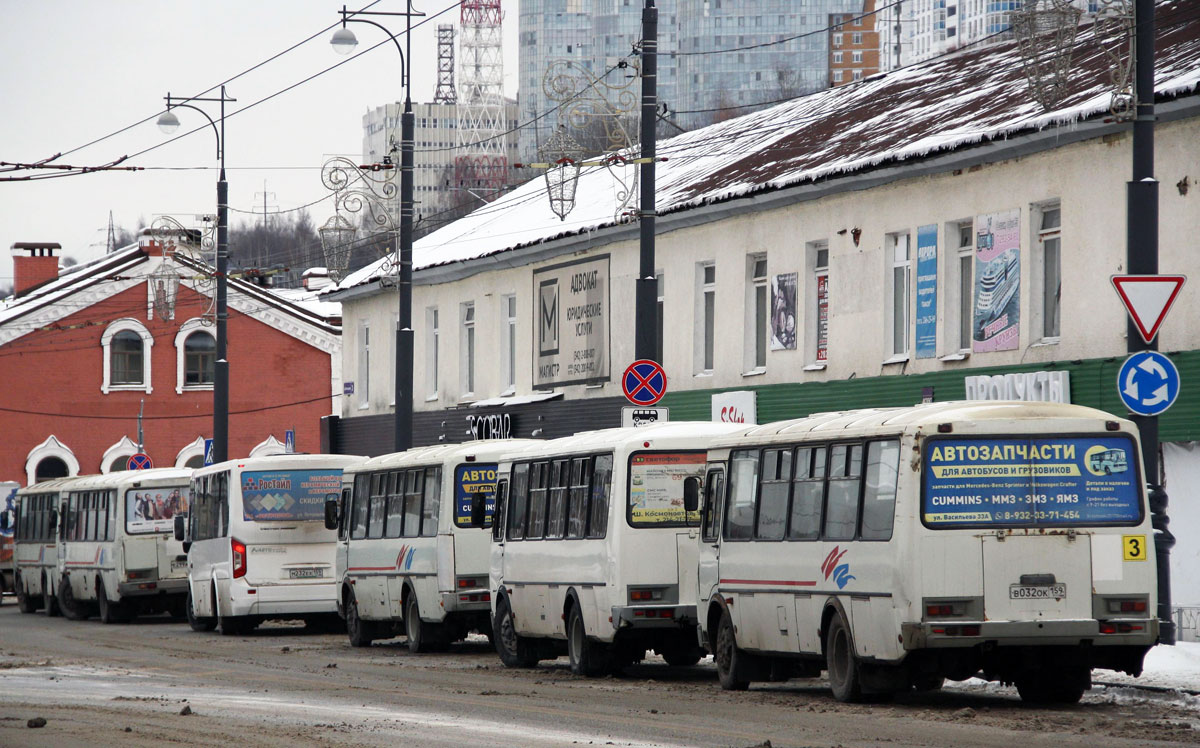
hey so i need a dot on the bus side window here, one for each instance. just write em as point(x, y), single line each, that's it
point(743, 485)
point(358, 507)
point(714, 493)
point(221, 483)
point(556, 512)
point(601, 490)
point(343, 508)
point(413, 487)
point(773, 494)
point(578, 499)
point(431, 509)
point(518, 501)
point(879, 494)
point(845, 482)
point(501, 511)
point(376, 513)
point(536, 528)
point(808, 494)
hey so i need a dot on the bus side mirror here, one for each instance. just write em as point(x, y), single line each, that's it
point(331, 512)
point(180, 528)
point(478, 510)
point(691, 493)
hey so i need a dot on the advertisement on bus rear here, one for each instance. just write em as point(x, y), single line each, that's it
point(468, 481)
point(1067, 480)
point(154, 509)
point(288, 495)
point(656, 487)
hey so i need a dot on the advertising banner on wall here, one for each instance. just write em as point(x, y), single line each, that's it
point(783, 312)
point(822, 321)
point(571, 323)
point(927, 291)
point(997, 281)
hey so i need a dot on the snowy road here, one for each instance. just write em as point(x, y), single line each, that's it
point(280, 686)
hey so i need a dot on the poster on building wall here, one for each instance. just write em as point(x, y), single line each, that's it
point(571, 323)
point(822, 319)
point(783, 312)
point(926, 291)
point(997, 281)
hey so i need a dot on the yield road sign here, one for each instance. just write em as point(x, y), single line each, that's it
point(140, 461)
point(1148, 383)
point(644, 382)
point(1148, 298)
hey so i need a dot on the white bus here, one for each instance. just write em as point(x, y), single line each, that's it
point(116, 556)
point(896, 548)
point(593, 551)
point(411, 557)
point(35, 545)
point(257, 544)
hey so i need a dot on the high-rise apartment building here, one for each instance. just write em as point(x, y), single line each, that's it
point(853, 45)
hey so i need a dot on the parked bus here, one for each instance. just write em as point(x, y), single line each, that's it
point(900, 547)
point(593, 551)
point(35, 545)
point(257, 544)
point(116, 556)
point(412, 555)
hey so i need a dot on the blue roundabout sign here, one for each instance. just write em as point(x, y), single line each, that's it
point(1148, 383)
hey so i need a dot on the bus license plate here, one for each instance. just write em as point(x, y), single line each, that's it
point(1037, 592)
point(176, 565)
point(306, 573)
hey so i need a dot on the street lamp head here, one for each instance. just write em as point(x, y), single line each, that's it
point(343, 41)
point(168, 122)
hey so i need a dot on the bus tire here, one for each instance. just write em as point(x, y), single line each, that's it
point(109, 612)
point(589, 658)
point(357, 630)
point(197, 623)
point(841, 663)
point(49, 601)
point(514, 649)
point(72, 609)
point(681, 654)
point(422, 636)
point(25, 603)
point(728, 656)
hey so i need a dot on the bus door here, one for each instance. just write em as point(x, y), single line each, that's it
point(710, 530)
point(341, 557)
point(499, 523)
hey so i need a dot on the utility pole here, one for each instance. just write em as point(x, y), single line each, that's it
point(1141, 242)
point(646, 309)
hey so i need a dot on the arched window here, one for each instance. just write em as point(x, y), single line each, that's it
point(116, 457)
point(126, 345)
point(49, 468)
point(50, 459)
point(199, 359)
point(192, 455)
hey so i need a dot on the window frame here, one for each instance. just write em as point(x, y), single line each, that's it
point(899, 328)
point(1044, 235)
point(126, 324)
point(757, 315)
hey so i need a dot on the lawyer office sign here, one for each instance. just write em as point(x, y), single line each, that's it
point(571, 323)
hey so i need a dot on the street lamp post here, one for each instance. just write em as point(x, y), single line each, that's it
point(169, 123)
point(344, 42)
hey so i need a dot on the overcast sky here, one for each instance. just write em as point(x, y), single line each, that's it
point(76, 71)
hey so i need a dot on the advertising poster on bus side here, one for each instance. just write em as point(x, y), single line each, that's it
point(997, 281)
point(1069, 480)
point(468, 481)
point(288, 495)
point(656, 487)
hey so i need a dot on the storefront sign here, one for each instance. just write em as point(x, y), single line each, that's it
point(571, 320)
point(1032, 386)
point(926, 291)
point(735, 407)
point(494, 426)
point(997, 282)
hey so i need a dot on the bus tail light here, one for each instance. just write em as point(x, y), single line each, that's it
point(646, 595)
point(1127, 606)
point(239, 557)
point(466, 583)
point(1119, 628)
point(945, 608)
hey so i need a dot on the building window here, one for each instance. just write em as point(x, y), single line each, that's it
point(706, 311)
point(899, 280)
point(757, 309)
point(467, 356)
point(856, 37)
point(126, 344)
point(508, 353)
point(431, 353)
point(816, 337)
point(199, 359)
point(837, 76)
point(660, 309)
point(362, 387)
point(1050, 242)
point(837, 57)
point(856, 56)
point(837, 40)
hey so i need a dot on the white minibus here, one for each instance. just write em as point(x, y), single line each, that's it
point(35, 545)
point(116, 555)
point(592, 550)
point(896, 548)
point(257, 544)
point(413, 548)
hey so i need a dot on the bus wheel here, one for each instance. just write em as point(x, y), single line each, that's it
point(358, 630)
point(841, 663)
point(50, 602)
point(727, 655)
point(514, 649)
point(587, 657)
point(25, 603)
point(422, 637)
point(72, 609)
point(680, 654)
point(196, 622)
point(110, 612)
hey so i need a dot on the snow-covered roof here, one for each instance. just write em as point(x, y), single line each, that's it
point(972, 97)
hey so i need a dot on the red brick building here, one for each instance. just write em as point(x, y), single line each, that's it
point(82, 352)
point(853, 45)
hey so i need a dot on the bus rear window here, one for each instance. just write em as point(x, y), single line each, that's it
point(656, 488)
point(288, 495)
point(1031, 482)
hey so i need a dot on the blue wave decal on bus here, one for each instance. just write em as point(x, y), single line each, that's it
point(469, 480)
point(1031, 482)
point(288, 495)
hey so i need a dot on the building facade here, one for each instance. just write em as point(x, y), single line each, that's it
point(116, 356)
point(853, 45)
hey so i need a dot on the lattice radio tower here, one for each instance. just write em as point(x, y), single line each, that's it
point(445, 93)
point(481, 164)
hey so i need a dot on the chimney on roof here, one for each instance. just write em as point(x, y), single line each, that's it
point(34, 264)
